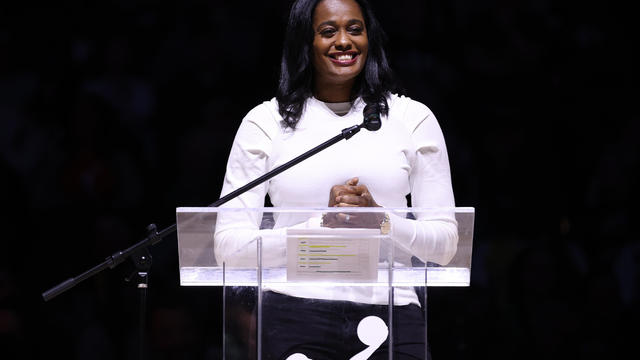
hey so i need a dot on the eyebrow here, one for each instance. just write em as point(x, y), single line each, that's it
point(333, 23)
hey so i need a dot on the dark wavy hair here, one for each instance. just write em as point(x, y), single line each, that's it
point(373, 84)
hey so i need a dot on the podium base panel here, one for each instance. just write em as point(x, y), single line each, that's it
point(265, 324)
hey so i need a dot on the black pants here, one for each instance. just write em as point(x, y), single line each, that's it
point(327, 329)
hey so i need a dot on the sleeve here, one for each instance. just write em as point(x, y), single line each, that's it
point(236, 232)
point(433, 236)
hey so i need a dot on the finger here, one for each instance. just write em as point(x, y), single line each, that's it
point(353, 181)
point(358, 189)
point(344, 190)
point(352, 199)
point(349, 189)
point(346, 205)
point(329, 219)
point(346, 195)
point(336, 189)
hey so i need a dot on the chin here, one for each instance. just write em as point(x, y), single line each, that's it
point(344, 76)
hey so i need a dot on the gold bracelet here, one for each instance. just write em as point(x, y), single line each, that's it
point(385, 225)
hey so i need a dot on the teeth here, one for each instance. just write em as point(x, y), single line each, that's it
point(345, 57)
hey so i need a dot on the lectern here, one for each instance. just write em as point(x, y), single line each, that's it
point(324, 283)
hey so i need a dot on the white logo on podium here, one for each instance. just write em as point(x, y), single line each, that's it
point(372, 331)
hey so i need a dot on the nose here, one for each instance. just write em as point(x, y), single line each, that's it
point(343, 42)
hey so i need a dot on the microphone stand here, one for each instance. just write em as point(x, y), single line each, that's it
point(139, 252)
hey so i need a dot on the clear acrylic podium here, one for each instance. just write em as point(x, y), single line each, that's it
point(324, 283)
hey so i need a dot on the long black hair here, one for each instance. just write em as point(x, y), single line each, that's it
point(373, 84)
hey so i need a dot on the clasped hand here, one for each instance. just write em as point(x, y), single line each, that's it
point(351, 194)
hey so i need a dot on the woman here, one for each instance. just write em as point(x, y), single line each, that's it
point(333, 64)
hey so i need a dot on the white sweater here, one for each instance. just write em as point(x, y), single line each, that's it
point(407, 155)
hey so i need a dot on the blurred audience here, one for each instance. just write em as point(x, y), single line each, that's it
point(114, 115)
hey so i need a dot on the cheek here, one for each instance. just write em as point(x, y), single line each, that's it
point(364, 56)
point(317, 61)
point(318, 52)
point(364, 47)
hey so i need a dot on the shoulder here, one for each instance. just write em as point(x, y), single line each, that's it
point(408, 111)
point(265, 117)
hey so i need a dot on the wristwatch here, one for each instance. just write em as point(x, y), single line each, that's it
point(385, 225)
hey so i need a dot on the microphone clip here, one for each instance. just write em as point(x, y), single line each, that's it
point(350, 131)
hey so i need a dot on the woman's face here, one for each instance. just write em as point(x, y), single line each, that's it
point(340, 42)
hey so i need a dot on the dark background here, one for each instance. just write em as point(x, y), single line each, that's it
point(115, 113)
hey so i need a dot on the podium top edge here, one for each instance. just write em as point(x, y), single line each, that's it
point(322, 209)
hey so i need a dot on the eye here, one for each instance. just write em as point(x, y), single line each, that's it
point(327, 32)
point(355, 30)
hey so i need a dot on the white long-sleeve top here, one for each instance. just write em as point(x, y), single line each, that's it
point(407, 155)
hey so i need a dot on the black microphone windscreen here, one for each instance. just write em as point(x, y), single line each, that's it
point(371, 114)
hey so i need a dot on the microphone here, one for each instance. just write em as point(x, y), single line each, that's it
point(372, 117)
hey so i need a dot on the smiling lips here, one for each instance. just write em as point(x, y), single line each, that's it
point(344, 58)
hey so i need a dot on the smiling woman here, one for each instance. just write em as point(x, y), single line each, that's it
point(333, 66)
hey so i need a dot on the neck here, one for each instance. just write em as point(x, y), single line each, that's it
point(333, 93)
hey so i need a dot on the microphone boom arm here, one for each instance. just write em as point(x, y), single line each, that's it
point(155, 237)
